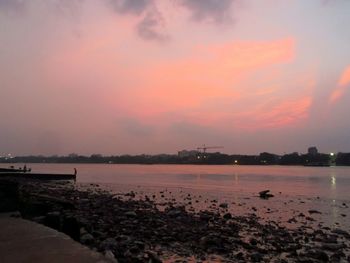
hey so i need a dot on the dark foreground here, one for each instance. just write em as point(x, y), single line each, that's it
point(130, 230)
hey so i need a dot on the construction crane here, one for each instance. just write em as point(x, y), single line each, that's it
point(204, 148)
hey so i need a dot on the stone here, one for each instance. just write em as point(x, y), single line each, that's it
point(256, 257)
point(341, 232)
point(108, 244)
point(110, 256)
point(318, 254)
point(174, 213)
point(130, 214)
point(70, 226)
point(53, 220)
point(227, 216)
point(87, 239)
point(265, 194)
point(223, 205)
point(314, 212)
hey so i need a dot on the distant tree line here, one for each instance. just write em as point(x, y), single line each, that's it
point(200, 158)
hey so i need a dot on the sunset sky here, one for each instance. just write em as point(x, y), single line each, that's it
point(158, 76)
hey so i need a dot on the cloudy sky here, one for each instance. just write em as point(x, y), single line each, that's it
point(158, 76)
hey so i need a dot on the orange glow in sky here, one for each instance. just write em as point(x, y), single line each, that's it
point(160, 75)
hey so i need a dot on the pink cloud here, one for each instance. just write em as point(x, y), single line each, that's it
point(282, 114)
point(342, 84)
point(211, 72)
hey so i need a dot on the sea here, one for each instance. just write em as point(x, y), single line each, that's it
point(302, 195)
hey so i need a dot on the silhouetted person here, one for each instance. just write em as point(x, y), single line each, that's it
point(75, 171)
point(25, 168)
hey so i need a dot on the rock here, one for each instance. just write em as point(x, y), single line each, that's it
point(87, 239)
point(16, 214)
point(39, 219)
point(70, 226)
point(332, 246)
point(223, 205)
point(110, 256)
point(239, 255)
point(314, 212)
point(210, 241)
point(310, 218)
point(265, 194)
point(108, 244)
point(139, 244)
point(256, 257)
point(53, 220)
point(82, 231)
point(227, 216)
point(174, 213)
point(253, 242)
point(130, 214)
point(318, 254)
point(153, 258)
point(8, 196)
point(341, 232)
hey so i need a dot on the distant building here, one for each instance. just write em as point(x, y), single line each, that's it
point(186, 153)
point(312, 151)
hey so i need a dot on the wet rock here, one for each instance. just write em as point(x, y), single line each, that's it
point(16, 214)
point(223, 205)
point(210, 241)
point(174, 213)
point(332, 246)
point(318, 254)
point(256, 257)
point(265, 194)
point(70, 226)
point(239, 255)
point(310, 218)
point(314, 212)
point(110, 256)
point(87, 239)
point(108, 244)
point(130, 214)
point(253, 242)
point(153, 257)
point(53, 220)
point(227, 216)
point(341, 232)
point(139, 244)
point(8, 196)
point(39, 219)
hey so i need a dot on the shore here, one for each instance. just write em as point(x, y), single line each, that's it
point(128, 227)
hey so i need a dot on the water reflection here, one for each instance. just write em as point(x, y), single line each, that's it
point(332, 183)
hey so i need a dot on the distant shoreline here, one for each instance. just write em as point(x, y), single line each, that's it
point(199, 164)
point(200, 158)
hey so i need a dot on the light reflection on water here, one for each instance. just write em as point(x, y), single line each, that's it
point(326, 182)
point(296, 189)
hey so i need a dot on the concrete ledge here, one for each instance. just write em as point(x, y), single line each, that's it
point(26, 241)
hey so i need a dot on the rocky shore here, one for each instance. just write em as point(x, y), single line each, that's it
point(129, 229)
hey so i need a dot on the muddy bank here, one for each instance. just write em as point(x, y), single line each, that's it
point(127, 229)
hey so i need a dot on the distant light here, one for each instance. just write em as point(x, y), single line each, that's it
point(334, 180)
point(236, 161)
point(331, 154)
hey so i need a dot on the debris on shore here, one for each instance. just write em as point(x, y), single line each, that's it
point(265, 194)
point(128, 230)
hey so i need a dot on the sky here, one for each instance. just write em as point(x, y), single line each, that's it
point(158, 76)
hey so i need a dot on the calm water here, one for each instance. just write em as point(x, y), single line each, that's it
point(325, 182)
point(296, 189)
